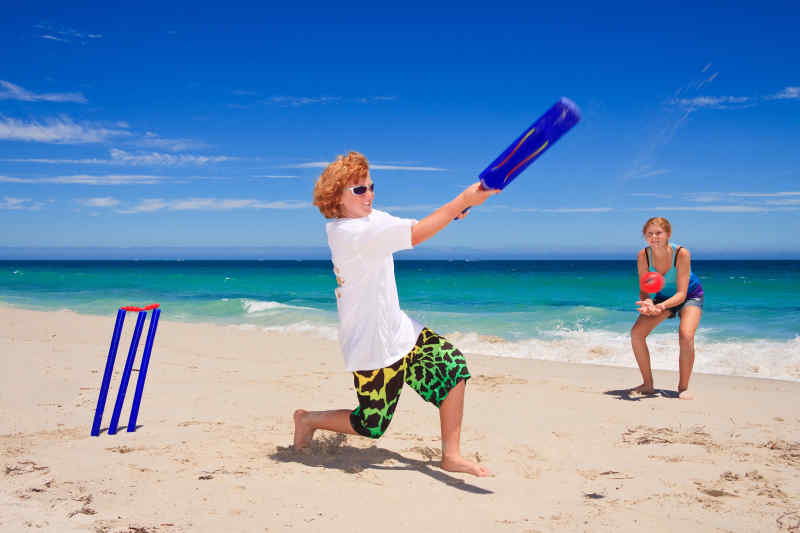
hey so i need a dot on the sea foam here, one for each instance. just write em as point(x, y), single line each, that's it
point(757, 358)
point(257, 306)
point(305, 328)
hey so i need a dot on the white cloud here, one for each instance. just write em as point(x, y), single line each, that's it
point(121, 157)
point(732, 102)
point(427, 208)
point(155, 158)
point(370, 99)
point(786, 202)
point(646, 171)
point(707, 80)
point(226, 204)
point(210, 204)
point(697, 84)
point(106, 201)
point(324, 164)
point(764, 194)
point(282, 204)
point(714, 102)
point(403, 167)
point(64, 33)
point(13, 203)
point(19, 204)
point(747, 202)
point(60, 130)
point(153, 140)
point(314, 164)
point(90, 161)
point(85, 179)
point(651, 194)
point(146, 206)
point(563, 210)
point(788, 199)
point(297, 101)
point(15, 92)
point(705, 197)
point(788, 93)
point(708, 208)
point(108, 179)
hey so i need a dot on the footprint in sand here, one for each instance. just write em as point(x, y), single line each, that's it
point(427, 452)
point(641, 435)
point(484, 382)
point(788, 452)
point(24, 467)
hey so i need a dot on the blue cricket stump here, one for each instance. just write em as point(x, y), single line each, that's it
point(148, 347)
point(126, 374)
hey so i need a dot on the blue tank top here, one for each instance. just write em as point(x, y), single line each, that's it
point(695, 290)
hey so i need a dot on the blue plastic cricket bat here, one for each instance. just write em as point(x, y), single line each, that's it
point(529, 146)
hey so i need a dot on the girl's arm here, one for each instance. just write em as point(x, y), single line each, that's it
point(682, 281)
point(436, 221)
point(645, 303)
point(641, 267)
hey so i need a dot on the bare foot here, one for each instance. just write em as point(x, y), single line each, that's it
point(303, 432)
point(459, 464)
point(685, 395)
point(643, 389)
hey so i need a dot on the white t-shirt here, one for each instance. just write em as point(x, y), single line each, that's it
point(373, 331)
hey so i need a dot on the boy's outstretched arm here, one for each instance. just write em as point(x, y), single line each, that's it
point(433, 223)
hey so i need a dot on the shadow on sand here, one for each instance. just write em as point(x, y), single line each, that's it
point(631, 396)
point(334, 452)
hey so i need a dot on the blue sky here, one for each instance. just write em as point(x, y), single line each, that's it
point(182, 130)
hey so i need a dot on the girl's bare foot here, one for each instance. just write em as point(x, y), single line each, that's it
point(303, 432)
point(685, 394)
point(459, 464)
point(643, 389)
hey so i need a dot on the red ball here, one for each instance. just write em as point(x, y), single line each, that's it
point(651, 282)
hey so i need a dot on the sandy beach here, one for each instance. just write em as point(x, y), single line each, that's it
point(570, 449)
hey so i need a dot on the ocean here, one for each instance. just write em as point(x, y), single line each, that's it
point(571, 311)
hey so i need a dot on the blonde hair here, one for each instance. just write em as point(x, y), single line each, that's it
point(662, 222)
point(345, 170)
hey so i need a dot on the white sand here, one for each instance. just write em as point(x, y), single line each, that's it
point(213, 451)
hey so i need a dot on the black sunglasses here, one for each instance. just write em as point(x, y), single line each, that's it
point(358, 190)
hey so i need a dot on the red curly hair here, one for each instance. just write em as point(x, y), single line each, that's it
point(344, 171)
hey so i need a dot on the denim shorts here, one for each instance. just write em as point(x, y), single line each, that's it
point(697, 301)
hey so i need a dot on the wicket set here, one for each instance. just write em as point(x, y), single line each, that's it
point(126, 374)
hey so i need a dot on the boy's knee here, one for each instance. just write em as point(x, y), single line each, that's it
point(376, 432)
point(372, 426)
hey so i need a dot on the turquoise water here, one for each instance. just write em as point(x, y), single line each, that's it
point(578, 311)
